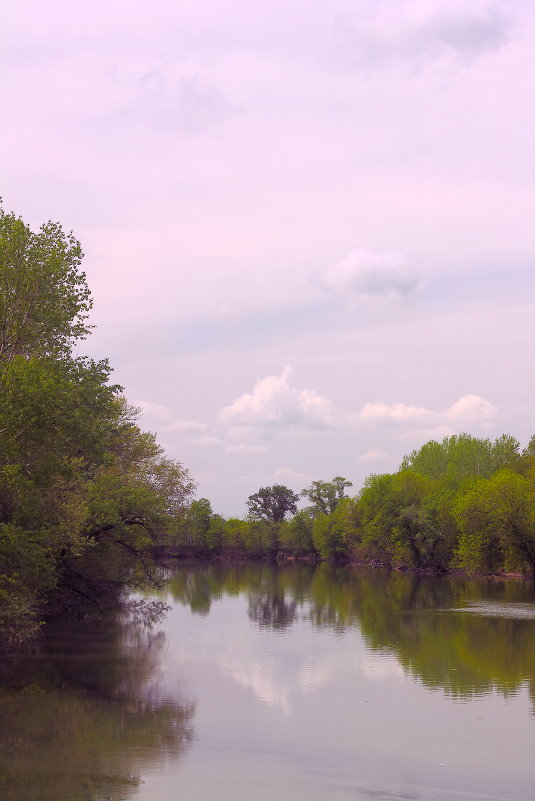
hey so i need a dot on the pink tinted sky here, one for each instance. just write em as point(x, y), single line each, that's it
point(308, 226)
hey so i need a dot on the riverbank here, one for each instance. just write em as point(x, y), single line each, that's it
point(315, 559)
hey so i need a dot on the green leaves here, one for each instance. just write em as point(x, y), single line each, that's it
point(326, 495)
point(496, 518)
point(44, 298)
point(84, 494)
point(272, 503)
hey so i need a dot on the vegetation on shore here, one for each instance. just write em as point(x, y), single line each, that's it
point(463, 503)
point(84, 494)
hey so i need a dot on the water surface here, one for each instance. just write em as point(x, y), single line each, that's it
point(292, 682)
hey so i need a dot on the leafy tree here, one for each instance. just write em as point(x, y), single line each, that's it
point(235, 533)
point(296, 534)
point(330, 532)
point(392, 520)
point(505, 453)
point(496, 518)
point(526, 464)
point(413, 537)
point(326, 495)
point(44, 298)
point(373, 515)
point(84, 494)
point(459, 457)
point(215, 535)
point(272, 503)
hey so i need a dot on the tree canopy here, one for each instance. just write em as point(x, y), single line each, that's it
point(272, 503)
point(462, 503)
point(326, 495)
point(44, 297)
point(85, 495)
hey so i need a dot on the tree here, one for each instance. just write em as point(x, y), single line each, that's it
point(44, 298)
point(527, 460)
point(326, 495)
point(459, 457)
point(272, 503)
point(296, 534)
point(496, 517)
point(330, 533)
point(85, 495)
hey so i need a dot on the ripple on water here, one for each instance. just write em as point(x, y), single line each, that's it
point(523, 611)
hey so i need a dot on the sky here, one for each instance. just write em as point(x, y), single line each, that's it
point(308, 227)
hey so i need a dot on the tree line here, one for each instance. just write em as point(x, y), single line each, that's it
point(85, 495)
point(463, 503)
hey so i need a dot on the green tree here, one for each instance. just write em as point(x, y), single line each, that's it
point(84, 494)
point(44, 298)
point(496, 517)
point(458, 458)
point(326, 495)
point(272, 503)
point(296, 534)
point(374, 519)
point(329, 534)
point(526, 464)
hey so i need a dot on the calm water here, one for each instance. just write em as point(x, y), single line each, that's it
point(298, 683)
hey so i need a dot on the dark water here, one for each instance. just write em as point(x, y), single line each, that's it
point(296, 683)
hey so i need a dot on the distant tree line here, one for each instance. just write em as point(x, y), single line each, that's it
point(462, 503)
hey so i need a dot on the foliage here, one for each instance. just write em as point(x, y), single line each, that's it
point(326, 495)
point(272, 503)
point(496, 518)
point(44, 298)
point(460, 457)
point(84, 494)
point(296, 534)
point(453, 504)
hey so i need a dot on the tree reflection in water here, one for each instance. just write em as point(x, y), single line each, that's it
point(82, 717)
point(425, 621)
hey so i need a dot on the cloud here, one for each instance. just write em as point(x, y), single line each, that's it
point(186, 105)
point(245, 449)
point(274, 404)
point(398, 413)
point(206, 441)
point(186, 425)
point(292, 477)
point(426, 433)
point(415, 35)
point(363, 273)
point(471, 408)
point(376, 455)
point(467, 410)
point(154, 410)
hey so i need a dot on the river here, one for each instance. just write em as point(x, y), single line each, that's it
point(282, 683)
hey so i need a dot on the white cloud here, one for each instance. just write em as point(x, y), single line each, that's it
point(467, 410)
point(292, 477)
point(206, 441)
point(274, 404)
point(366, 274)
point(398, 413)
point(186, 425)
point(471, 408)
point(375, 455)
point(245, 449)
point(153, 410)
